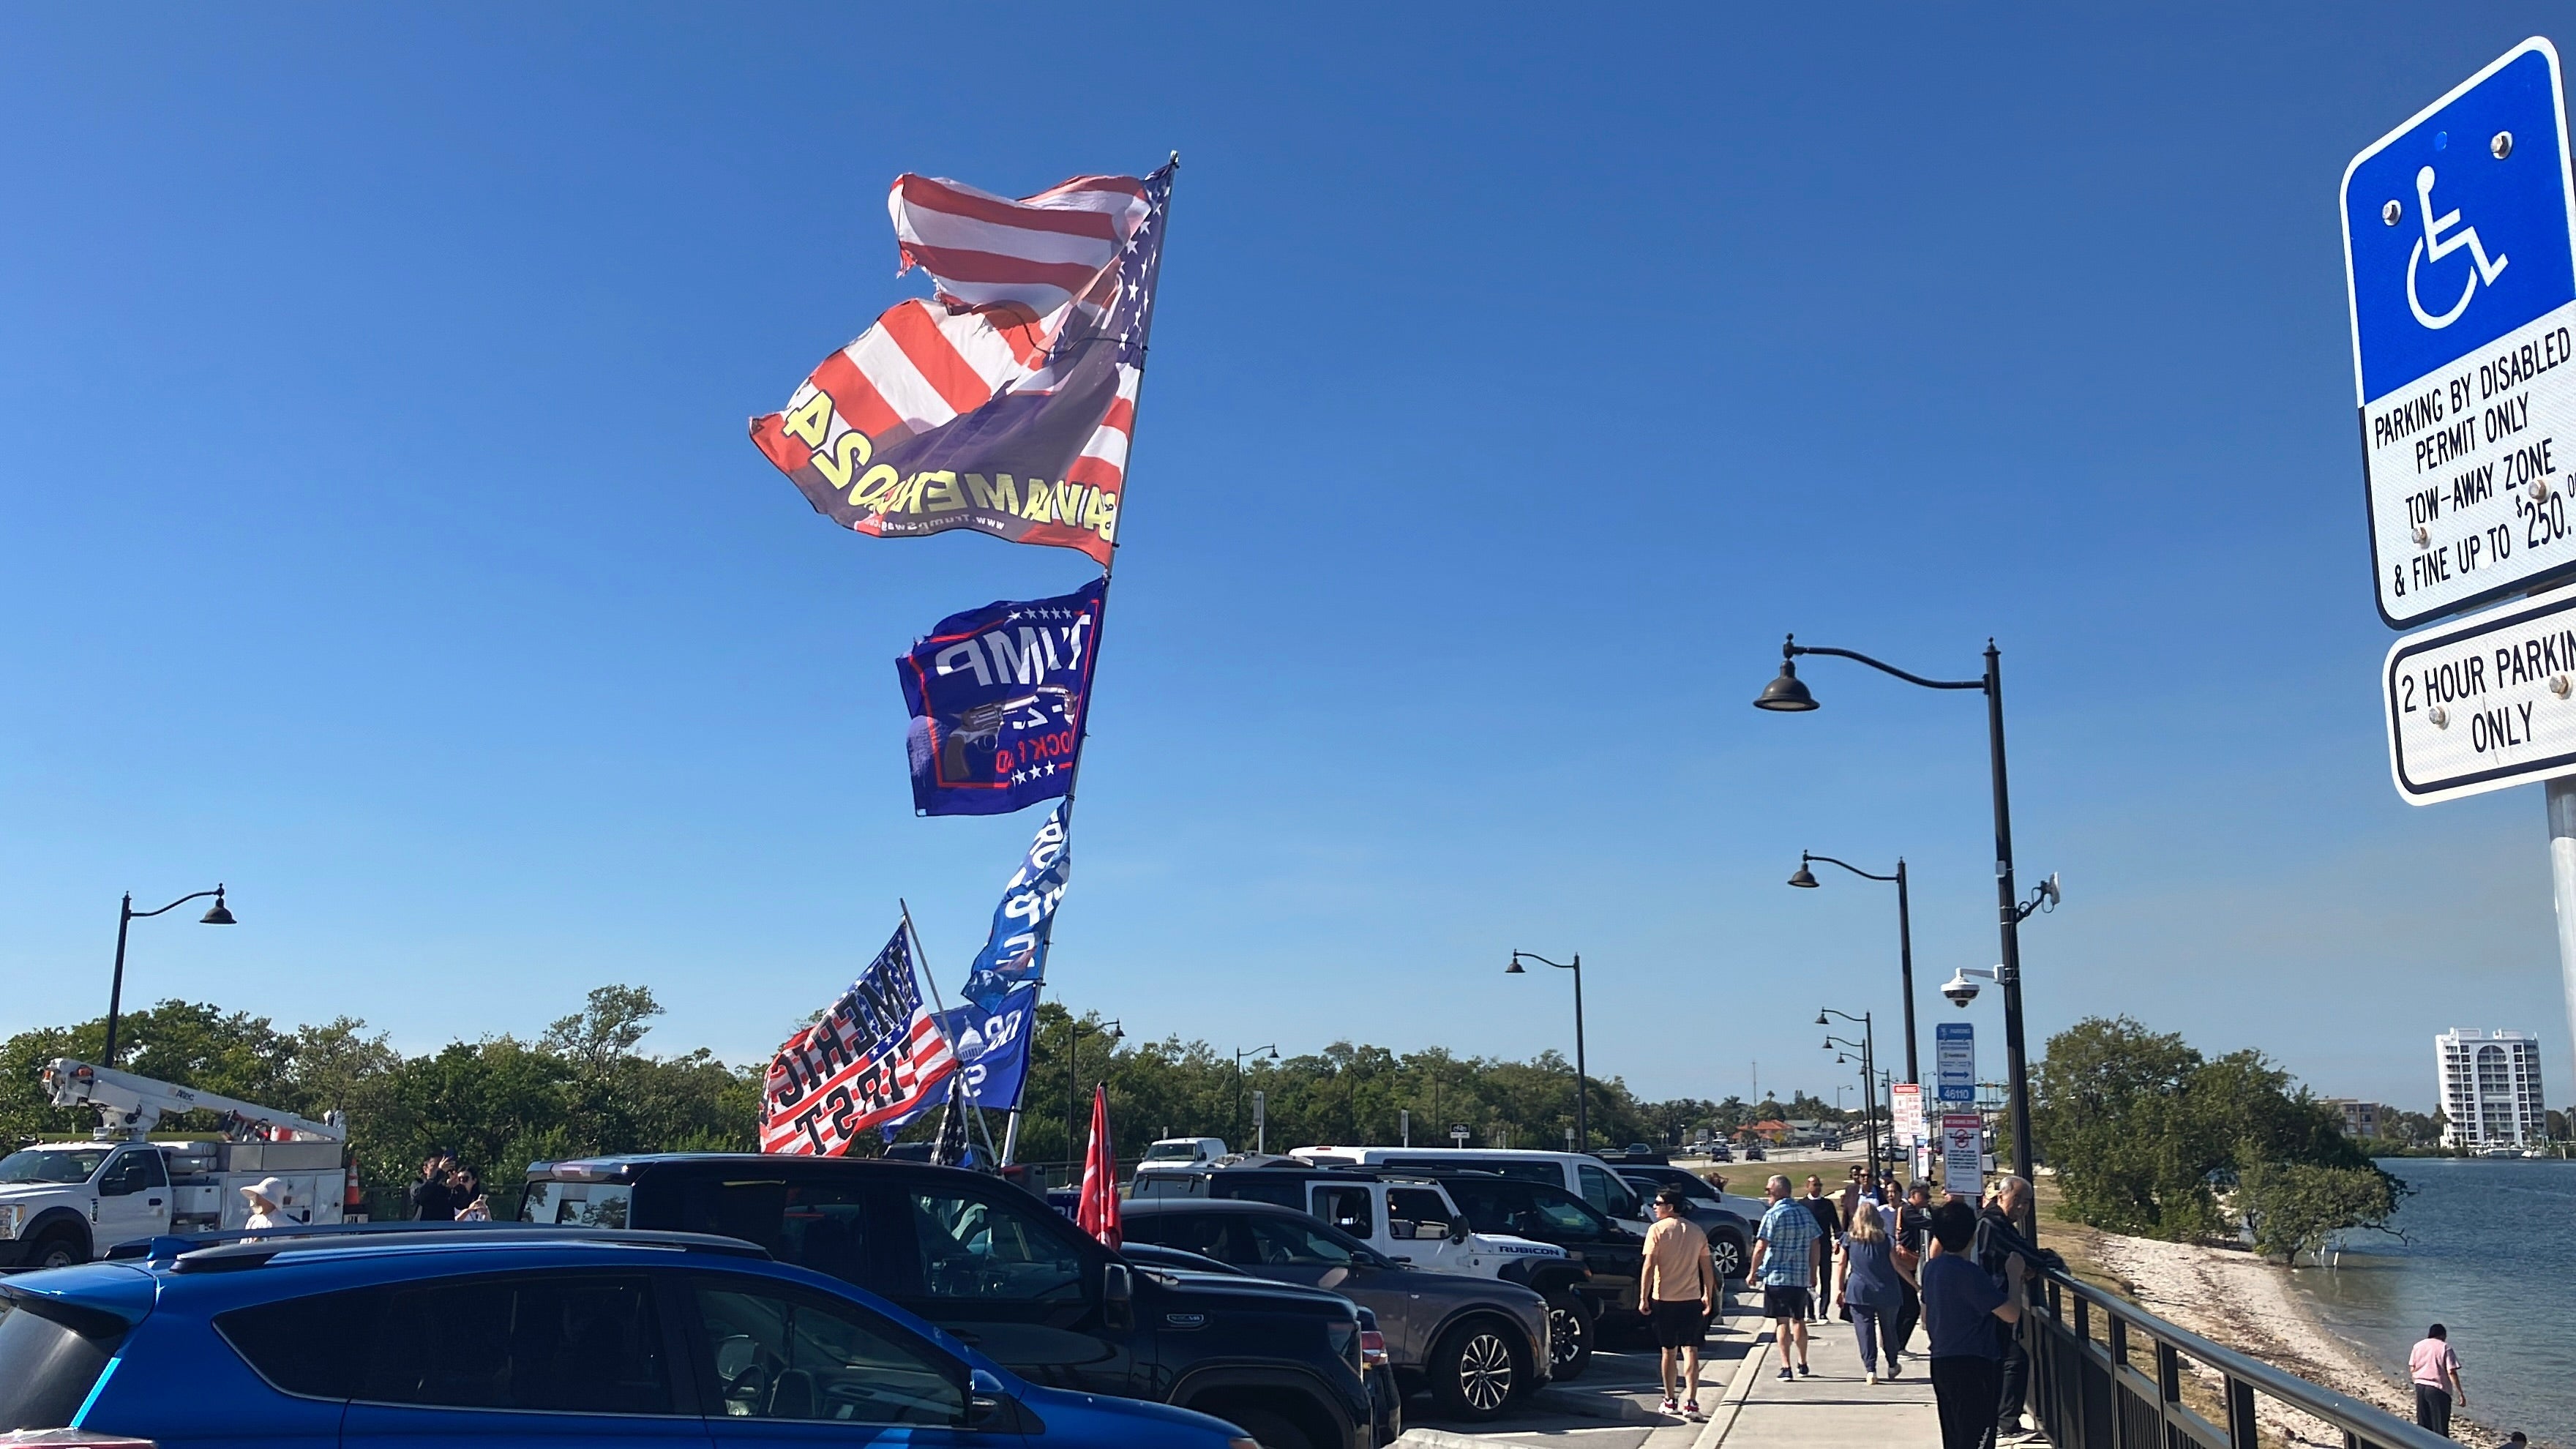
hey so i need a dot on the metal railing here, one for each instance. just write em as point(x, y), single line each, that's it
point(2091, 1393)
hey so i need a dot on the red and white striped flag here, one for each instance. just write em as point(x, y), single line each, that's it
point(1006, 401)
point(872, 1060)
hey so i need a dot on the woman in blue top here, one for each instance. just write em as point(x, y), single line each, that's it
point(1871, 1288)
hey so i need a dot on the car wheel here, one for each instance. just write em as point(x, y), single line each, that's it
point(56, 1250)
point(1476, 1372)
point(1269, 1430)
point(1728, 1249)
point(1570, 1331)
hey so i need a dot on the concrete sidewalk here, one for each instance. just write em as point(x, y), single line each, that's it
point(1835, 1408)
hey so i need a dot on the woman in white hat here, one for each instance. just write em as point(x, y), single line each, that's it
point(267, 1203)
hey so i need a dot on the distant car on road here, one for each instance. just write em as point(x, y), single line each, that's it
point(503, 1335)
point(1476, 1344)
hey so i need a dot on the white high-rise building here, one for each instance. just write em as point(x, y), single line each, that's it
point(2490, 1082)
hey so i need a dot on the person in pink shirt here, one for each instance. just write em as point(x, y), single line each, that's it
point(2436, 1371)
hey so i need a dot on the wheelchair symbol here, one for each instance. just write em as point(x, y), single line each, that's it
point(2435, 245)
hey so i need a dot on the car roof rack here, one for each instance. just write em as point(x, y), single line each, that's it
point(252, 1247)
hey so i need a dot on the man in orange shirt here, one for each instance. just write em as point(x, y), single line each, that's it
point(1677, 1290)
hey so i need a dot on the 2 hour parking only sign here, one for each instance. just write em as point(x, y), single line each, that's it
point(2462, 277)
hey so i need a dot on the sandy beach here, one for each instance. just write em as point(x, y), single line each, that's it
point(2231, 1297)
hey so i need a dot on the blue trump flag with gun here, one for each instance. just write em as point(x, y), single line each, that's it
point(997, 696)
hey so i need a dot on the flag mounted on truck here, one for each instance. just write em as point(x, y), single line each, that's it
point(878, 1054)
point(1005, 402)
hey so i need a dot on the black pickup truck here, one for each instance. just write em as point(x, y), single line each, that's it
point(999, 1269)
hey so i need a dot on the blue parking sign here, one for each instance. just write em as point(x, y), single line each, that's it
point(2460, 260)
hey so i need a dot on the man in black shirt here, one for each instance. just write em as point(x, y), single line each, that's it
point(1996, 1243)
point(431, 1202)
point(1829, 1220)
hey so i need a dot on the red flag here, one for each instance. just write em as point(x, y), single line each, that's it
point(1098, 1212)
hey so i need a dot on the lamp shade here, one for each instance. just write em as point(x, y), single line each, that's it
point(1805, 879)
point(1787, 692)
point(220, 915)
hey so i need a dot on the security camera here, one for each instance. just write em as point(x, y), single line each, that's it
point(1960, 988)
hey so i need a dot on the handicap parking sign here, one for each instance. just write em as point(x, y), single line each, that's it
point(2460, 260)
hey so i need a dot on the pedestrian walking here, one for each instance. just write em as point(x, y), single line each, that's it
point(1677, 1291)
point(1785, 1249)
point(1961, 1309)
point(430, 1200)
point(1913, 1233)
point(1868, 1289)
point(1829, 1220)
point(2435, 1368)
point(1998, 1242)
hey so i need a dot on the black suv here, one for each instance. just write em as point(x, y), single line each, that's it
point(1001, 1270)
point(1476, 1344)
point(1537, 1211)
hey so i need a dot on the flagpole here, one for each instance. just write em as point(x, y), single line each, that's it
point(1108, 570)
point(921, 967)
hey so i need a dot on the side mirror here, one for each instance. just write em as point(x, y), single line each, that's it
point(989, 1406)
point(1458, 1230)
point(1118, 1295)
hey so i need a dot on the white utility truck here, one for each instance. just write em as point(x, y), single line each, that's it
point(68, 1202)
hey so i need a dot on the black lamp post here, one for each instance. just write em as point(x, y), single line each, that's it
point(1805, 880)
point(1582, 1083)
point(126, 915)
point(1788, 694)
point(1868, 1048)
point(1073, 1085)
point(1273, 1050)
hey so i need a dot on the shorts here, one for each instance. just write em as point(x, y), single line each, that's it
point(1678, 1324)
point(1792, 1302)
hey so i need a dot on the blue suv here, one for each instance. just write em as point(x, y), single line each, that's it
point(506, 1335)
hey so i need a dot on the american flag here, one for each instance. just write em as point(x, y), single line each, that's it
point(1006, 401)
point(876, 1056)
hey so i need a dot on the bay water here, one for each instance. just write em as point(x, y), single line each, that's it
point(2490, 1253)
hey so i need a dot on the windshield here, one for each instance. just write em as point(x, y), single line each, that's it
point(1172, 1152)
point(52, 1164)
point(582, 1204)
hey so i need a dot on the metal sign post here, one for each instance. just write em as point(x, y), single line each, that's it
point(1954, 1062)
point(1459, 1134)
point(1260, 1122)
point(2459, 235)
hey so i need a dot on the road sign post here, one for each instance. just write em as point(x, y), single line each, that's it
point(1459, 1134)
point(2462, 281)
point(2460, 266)
point(1907, 1112)
point(1963, 1154)
point(1954, 1063)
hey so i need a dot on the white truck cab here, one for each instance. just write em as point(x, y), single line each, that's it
point(1183, 1152)
point(69, 1202)
point(1410, 1220)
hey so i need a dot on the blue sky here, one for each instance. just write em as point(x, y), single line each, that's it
point(382, 539)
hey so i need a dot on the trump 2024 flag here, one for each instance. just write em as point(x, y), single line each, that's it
point(1005, 402)
point(875, 1056)
point(997, 696)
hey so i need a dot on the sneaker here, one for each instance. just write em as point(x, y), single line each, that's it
point(1804, 1372)
point(1786, 1376)
point(1690, 1410)
point(1669, 1406)
point(1895, 1367)
point(1871, 1376)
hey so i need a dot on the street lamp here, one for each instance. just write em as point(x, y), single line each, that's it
point(1073, 1082)
point(1273, 1049)
point(1788, 694)
point(1867, 1046)
point(1582, 1085)
point(1804, 880)
point(126, 915)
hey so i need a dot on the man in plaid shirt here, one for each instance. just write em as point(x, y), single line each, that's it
point(1785, 1256)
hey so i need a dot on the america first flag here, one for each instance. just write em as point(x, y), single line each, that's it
point(1005, 402)
point(875, 1057)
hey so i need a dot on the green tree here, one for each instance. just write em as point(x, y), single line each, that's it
point(2297, 1207)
